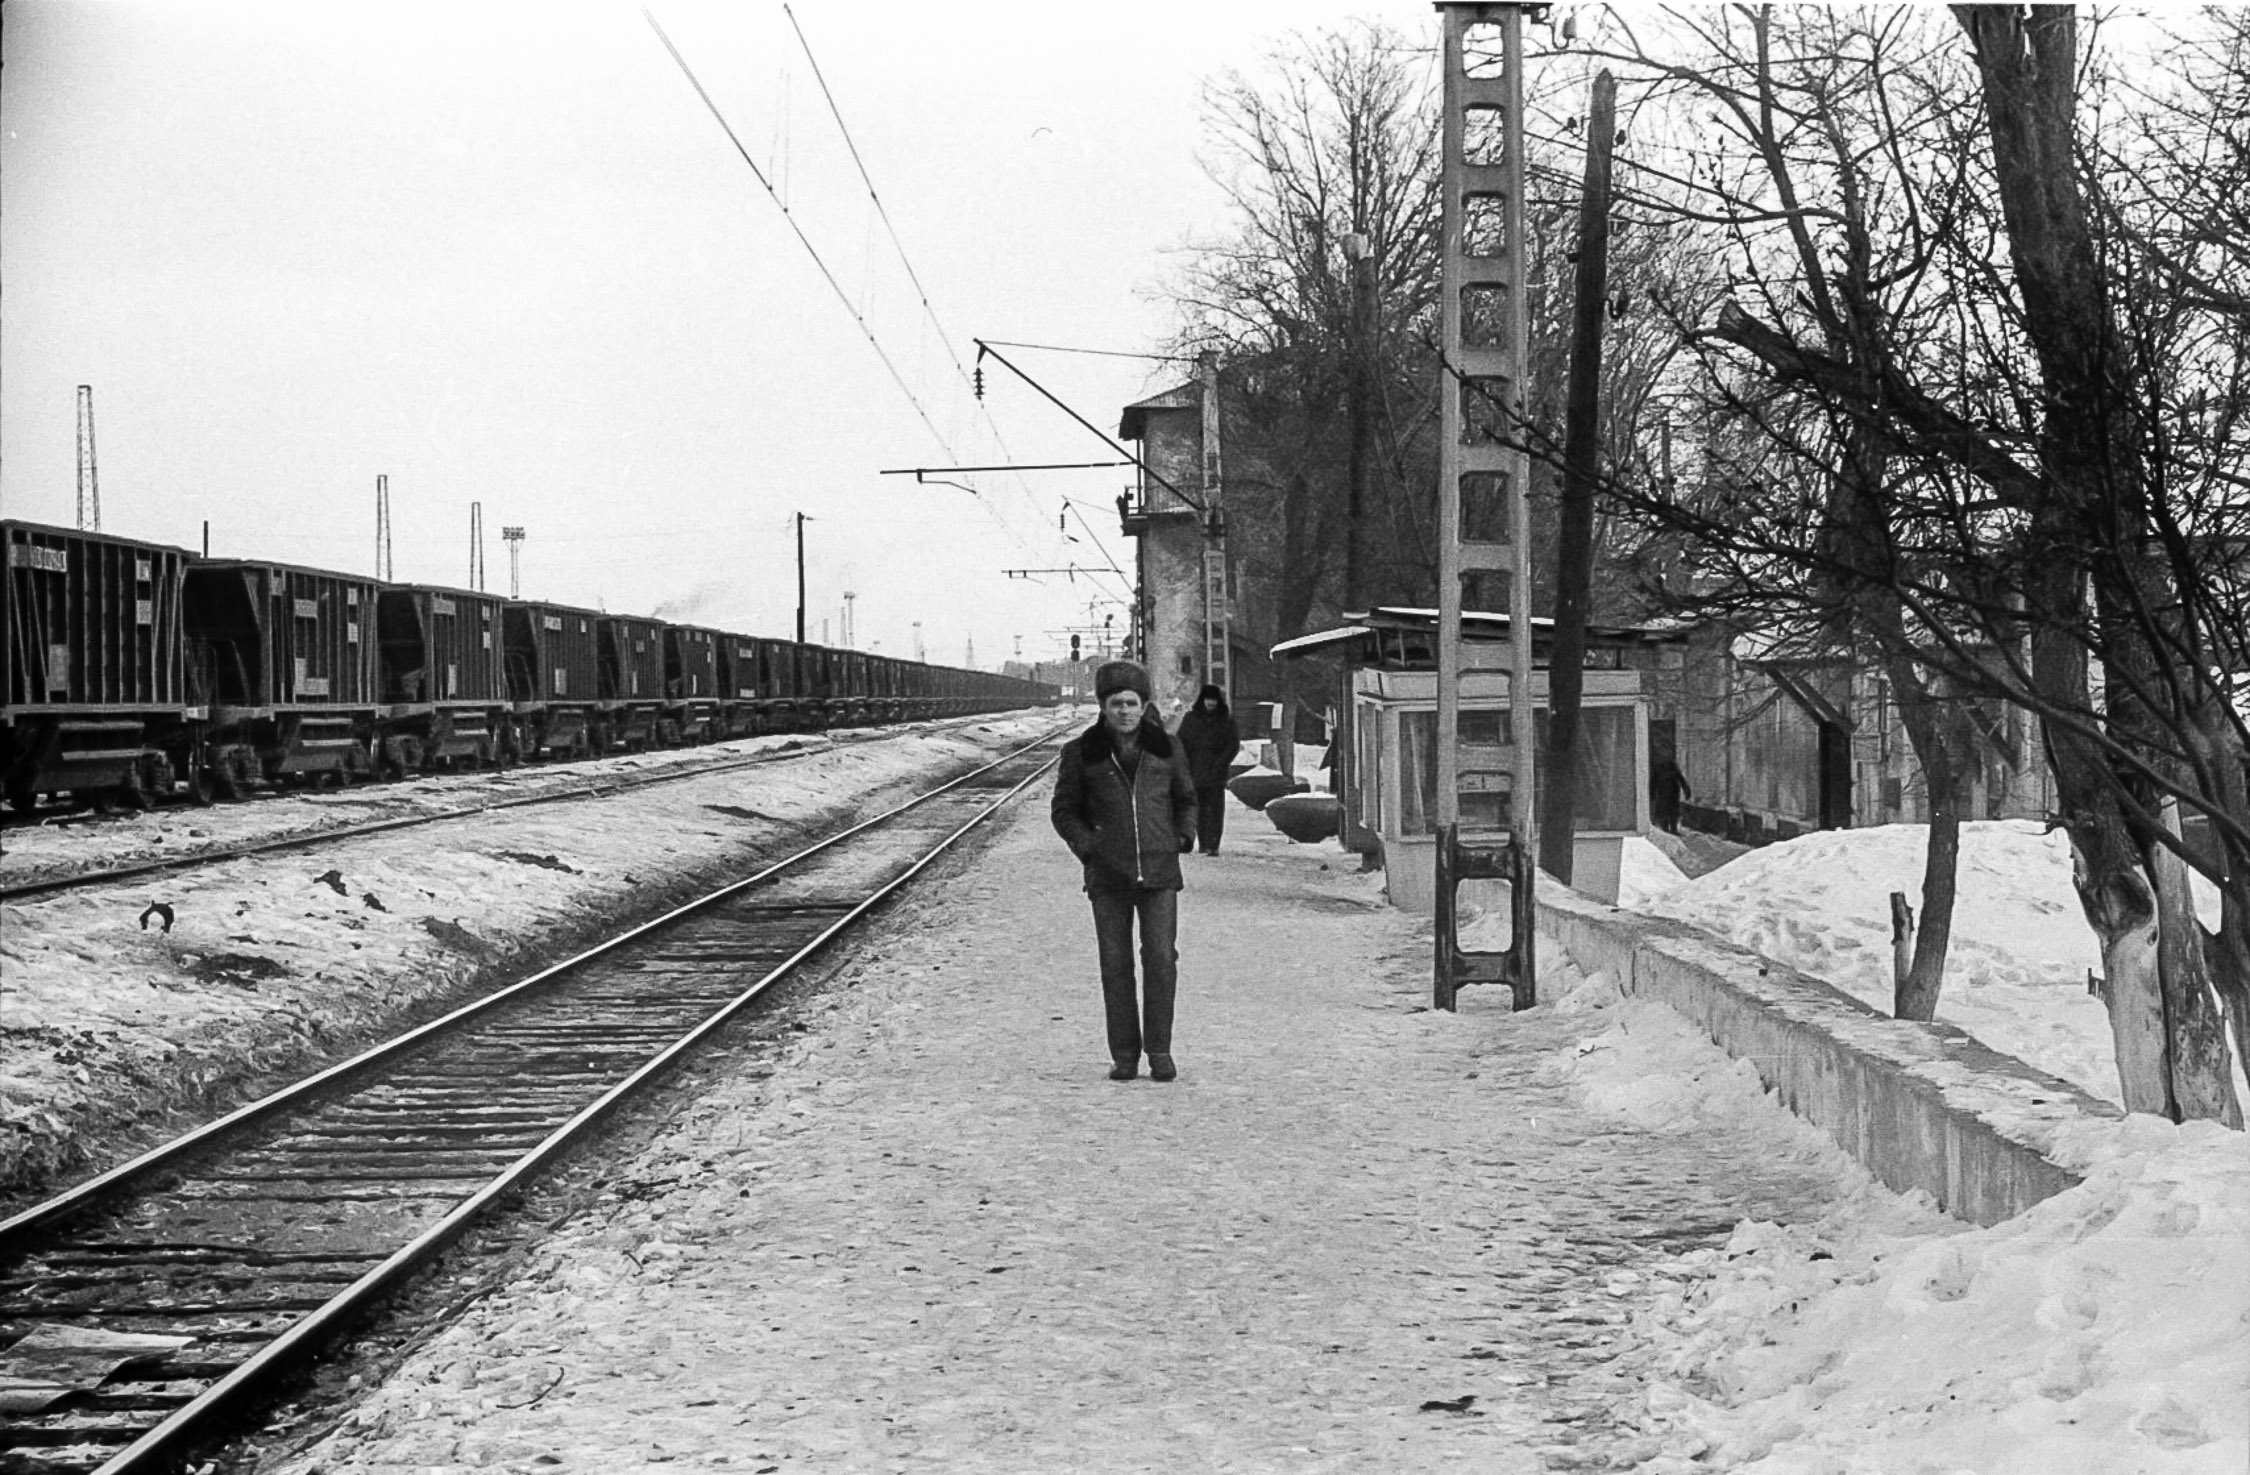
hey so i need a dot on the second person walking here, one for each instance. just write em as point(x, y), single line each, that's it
point(1210, 739)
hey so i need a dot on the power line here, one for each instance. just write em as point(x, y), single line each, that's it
point(918, 472)
point(1099, 546)
point(883, 212)
point(830, 277)
point(1114, 353)
point(985, 347)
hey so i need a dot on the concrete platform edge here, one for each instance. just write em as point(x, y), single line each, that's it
point(1921, 1106)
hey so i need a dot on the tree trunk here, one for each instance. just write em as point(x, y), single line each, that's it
point(1303, 533)
point(2228, 951)
point(2093, 515)
point(2202, 1083)
point(1917, 997)
point(2230, 964)
point(1944, 747)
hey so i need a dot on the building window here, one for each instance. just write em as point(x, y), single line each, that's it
point(1608, 781)
point(1187, 663)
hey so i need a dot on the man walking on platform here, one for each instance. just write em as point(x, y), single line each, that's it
point(1125, 807)
point(1211, 740)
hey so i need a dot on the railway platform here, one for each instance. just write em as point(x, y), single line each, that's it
point(1355, 1234)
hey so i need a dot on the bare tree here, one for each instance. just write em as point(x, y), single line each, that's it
point(1336, 137)
point(1805, 171)
point(2098, 521)
point(1990, 400)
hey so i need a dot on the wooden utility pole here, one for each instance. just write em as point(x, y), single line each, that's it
point(800, 577)
point(1574, 552)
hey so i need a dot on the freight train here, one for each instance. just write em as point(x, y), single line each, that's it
point(134, 669)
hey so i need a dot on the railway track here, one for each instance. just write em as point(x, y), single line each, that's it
point(164, 1297)
point(48, 883)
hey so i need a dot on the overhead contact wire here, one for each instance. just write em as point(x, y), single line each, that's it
point(883, 212)
point(802, 239)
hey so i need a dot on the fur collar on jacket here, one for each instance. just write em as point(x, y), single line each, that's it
point(1095, 746)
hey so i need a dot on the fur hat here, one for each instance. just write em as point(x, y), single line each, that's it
point(1117, 676)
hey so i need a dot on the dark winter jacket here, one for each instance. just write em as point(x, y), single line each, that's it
point(1127, 832)
point(1210, 739)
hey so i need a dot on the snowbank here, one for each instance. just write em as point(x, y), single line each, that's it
point(2104, 1329)
point(2021, 951)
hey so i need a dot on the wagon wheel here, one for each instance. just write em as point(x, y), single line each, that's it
point(22, 797)
point(226, 781)
point(197, 782)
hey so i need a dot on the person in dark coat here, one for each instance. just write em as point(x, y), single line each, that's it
point(1211, 740)
point(1667, 786)
point(1125, 807)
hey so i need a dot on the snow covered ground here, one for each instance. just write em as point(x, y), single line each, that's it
point(934, 1238)
point(2105, 1330)
point(2021, 951)
point(272, 963)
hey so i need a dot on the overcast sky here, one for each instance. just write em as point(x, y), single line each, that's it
point(503, 253)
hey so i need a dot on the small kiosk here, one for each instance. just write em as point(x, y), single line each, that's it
point(1385, 755)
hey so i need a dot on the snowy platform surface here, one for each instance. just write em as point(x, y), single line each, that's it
point(1354, 1235)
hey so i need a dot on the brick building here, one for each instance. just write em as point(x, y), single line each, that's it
point(1187, 595)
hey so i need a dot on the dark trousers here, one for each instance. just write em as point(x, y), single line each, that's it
point(1210, 816)
point(1148, 1027)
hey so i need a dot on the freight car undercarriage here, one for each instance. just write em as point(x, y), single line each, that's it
point(104, 760)
point(127, 760)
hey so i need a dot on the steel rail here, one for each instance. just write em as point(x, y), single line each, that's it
point(93, 1190)
point(305, 839)
point(165, 1440)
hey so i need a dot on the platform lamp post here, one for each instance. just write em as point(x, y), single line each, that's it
point(514, 539)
